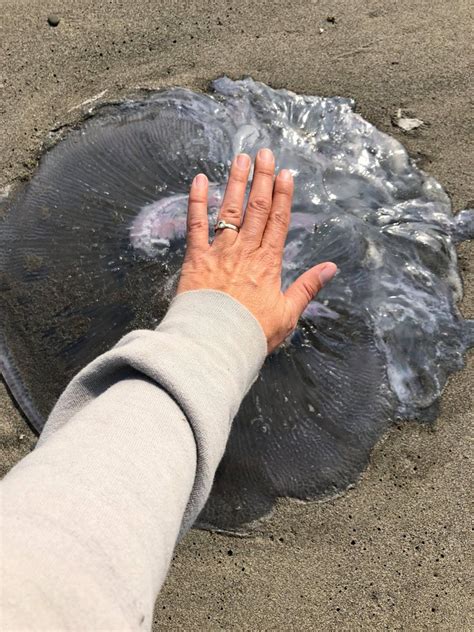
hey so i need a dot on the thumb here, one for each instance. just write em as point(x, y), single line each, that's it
point(305, 288)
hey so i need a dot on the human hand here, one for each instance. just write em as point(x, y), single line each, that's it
point(247, 264)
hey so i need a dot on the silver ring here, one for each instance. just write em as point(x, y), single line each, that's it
point(221, 224)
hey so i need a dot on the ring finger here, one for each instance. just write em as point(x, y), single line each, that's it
point(233, 203)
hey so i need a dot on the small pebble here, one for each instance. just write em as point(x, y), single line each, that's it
point(53, 20)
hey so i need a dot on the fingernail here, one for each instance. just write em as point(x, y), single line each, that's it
point(327, 272)
point(286, 175)
point(243, 161)
point(265, 155)
point(200, 180)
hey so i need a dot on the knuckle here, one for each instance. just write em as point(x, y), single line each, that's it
point(260, 204)
point(195, 198)
point(196, 224)
point(248, 249)
point(280, 218)
point(274, 250)
point(265, 170)
point(231, 211)
point(239, 175)
point(307, 290)
point(269, 259)
point(283, 187)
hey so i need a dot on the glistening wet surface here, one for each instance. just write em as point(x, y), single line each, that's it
point(92, 245)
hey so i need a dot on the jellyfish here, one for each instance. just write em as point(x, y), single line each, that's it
point(91, 247)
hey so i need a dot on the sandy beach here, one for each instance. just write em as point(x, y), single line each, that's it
point(393, 553)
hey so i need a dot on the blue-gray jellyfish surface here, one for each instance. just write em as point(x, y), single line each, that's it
point(91, 248)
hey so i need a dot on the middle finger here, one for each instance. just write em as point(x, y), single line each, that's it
point(260, 199)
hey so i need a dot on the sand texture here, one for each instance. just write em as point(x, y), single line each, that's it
point(393, 553)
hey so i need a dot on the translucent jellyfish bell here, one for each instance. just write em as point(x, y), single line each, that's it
point(91, 248)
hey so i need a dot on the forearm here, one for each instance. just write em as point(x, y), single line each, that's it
point(132, 446)
point(92, 516)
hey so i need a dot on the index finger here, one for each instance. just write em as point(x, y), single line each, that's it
point(197, 236)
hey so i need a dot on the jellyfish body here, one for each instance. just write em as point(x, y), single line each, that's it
point(91, 248)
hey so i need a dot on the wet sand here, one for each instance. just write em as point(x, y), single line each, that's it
point(393, 553)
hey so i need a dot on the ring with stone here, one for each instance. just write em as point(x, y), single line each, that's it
point(221, 225)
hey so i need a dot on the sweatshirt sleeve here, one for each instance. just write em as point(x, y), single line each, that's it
point(124, 465)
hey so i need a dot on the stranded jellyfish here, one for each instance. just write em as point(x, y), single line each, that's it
point(91, 248)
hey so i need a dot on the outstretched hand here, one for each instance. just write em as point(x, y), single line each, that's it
point(247, 264)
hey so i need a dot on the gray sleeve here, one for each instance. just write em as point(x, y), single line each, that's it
point(124, 465)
